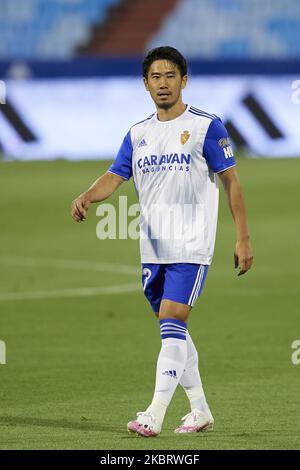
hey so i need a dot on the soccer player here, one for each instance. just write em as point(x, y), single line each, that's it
point(175, 157)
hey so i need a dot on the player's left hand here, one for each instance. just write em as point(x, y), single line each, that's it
point(243, 257)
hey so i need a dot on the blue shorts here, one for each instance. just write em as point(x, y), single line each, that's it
point(180, 282)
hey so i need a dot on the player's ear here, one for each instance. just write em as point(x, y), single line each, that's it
point(146, 83)
point(183, 81)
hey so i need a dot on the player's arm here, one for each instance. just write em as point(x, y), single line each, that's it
point(100, 190)
point(103, 187)
point(243, 257)
point(219, 156)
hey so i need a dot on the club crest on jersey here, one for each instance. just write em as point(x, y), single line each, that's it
point(185, 137)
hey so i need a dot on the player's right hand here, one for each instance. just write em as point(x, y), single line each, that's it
point(79, 207)
point(243, 257)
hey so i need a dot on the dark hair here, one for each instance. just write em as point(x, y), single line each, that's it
point(165, 53)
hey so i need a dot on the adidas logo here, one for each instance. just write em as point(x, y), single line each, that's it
point(142, 143)
point(171, 373)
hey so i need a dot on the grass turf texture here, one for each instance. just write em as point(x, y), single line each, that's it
point(79, 368)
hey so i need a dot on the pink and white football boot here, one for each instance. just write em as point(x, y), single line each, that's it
point(195, 421)
point(145, 425)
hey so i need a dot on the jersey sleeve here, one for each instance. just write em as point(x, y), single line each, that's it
point(122, 165)
point(216, 148)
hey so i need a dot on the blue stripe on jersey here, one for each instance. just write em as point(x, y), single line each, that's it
point(196, 110)
point(201, 111)
point(209, 116)
point(200, 115)
point(140, 122)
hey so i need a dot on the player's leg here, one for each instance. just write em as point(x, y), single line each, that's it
point(173, 363)
point(172, 357)
point(184, 282)
point(173, 353)
point(192, 385)
point(173, 316)
point(146, 424)
point(191, 379)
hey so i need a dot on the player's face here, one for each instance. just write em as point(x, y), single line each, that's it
point(164, 82)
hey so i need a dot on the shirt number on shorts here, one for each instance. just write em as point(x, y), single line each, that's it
point(147, 273)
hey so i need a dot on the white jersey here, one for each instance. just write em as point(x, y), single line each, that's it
point(174, 165)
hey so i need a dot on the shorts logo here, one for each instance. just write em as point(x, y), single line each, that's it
point(185, 137)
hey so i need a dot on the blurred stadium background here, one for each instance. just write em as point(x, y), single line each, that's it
point(71, 306)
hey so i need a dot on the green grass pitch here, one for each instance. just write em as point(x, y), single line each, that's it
point(80, 366)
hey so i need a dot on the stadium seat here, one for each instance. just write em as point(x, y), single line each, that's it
point(216, 29)
point(208, 29)
point(47, 29)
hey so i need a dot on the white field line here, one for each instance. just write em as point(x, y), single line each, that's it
point(79, 292)
point(70, 264)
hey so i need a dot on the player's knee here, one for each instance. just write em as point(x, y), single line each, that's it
point(174, 310)
point(182, 316)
